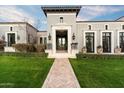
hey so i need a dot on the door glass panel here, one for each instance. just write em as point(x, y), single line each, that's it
point(45, 40)
point(106, 40)
point(61, 43)
point(11, 39)
point(90, 42)
point(61, 40)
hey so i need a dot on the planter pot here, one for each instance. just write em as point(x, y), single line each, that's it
point(118, 50)
point(84, 50)
point(99, 50)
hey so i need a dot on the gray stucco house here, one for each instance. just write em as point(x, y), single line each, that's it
point(65, 36)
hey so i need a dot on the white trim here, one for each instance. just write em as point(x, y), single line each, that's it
point(42, 39)
point(118, 39)
point(6, 33)
point(112, 40)
point(95, 39)
point(61, 14)
point(54, 28)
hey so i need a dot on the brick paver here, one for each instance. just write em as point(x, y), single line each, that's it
point(61, 75)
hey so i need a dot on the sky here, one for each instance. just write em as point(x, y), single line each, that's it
point(34, 15)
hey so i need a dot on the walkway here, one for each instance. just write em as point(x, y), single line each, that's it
point(61, 75)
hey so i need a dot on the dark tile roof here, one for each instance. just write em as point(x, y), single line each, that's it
point(61, 8)
point(19, 23)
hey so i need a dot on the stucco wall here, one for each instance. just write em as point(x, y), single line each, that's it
point(69, 19)
point(41, 34)
point(20, 29)
point(98, 27)
point(31, 34)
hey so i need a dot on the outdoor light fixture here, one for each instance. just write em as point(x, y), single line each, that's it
point(3, 37)
point(49, 37)
point(18, 37)
point(73, 37)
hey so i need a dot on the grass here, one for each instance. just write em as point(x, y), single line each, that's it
point(99, 73)
point(23, 72)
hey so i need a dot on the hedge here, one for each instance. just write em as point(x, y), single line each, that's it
point(23, 54)
point(29, 47)
point(99, 56)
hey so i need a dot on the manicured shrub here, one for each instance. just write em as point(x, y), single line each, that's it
point(99, 56)
point(40, 48)
point(2, 44)
point(22, 54)
point(21, 47)
point(31, 48)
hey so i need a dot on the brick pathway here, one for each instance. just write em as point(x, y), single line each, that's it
point(61, 75)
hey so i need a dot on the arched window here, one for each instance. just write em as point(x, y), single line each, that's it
point(123, 27)
point(61, 19)
point(11, 28)
point(89, 27)
point(106, 27)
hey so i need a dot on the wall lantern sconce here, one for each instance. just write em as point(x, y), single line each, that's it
point(3, 37)
point(49, 37)
point(73, 37)
point(18, 37)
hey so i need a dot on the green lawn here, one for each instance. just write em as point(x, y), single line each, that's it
point(23, 71)
point(99, 73)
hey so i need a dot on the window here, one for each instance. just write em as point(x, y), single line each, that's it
point(89, 42)
point(121, 41)
point(61, 19)
point(28, 38)
point(11, 28)
point(45, 40)
point(41, 40)
point(106, 42)
point(123, 27)
point(89, 27)
point(11, 39)
point(106, 27)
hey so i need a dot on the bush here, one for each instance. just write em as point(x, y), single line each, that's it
point(2, 44)
point(20, 54)
point(40, 48)
point(100, 56)
point(21, 47)
point(29, 47)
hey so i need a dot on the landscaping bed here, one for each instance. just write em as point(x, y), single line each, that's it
point(23, 70)
point(99, 71)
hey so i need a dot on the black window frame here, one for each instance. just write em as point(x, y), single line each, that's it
point(89, 48)
point(107, 47)
point(41, 40)
point(121, 41)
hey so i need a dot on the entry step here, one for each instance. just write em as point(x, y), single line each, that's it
point(61, 55)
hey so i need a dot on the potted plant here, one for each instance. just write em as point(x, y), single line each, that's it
point(84, 50)
point(99, 49)
point(117, 50)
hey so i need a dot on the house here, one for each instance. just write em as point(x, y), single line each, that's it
point(17, 32)
point(65, 36)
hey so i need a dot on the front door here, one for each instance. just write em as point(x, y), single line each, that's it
point(61, 40)
point(10, 39)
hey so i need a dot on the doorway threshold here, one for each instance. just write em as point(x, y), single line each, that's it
point(61, 51)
